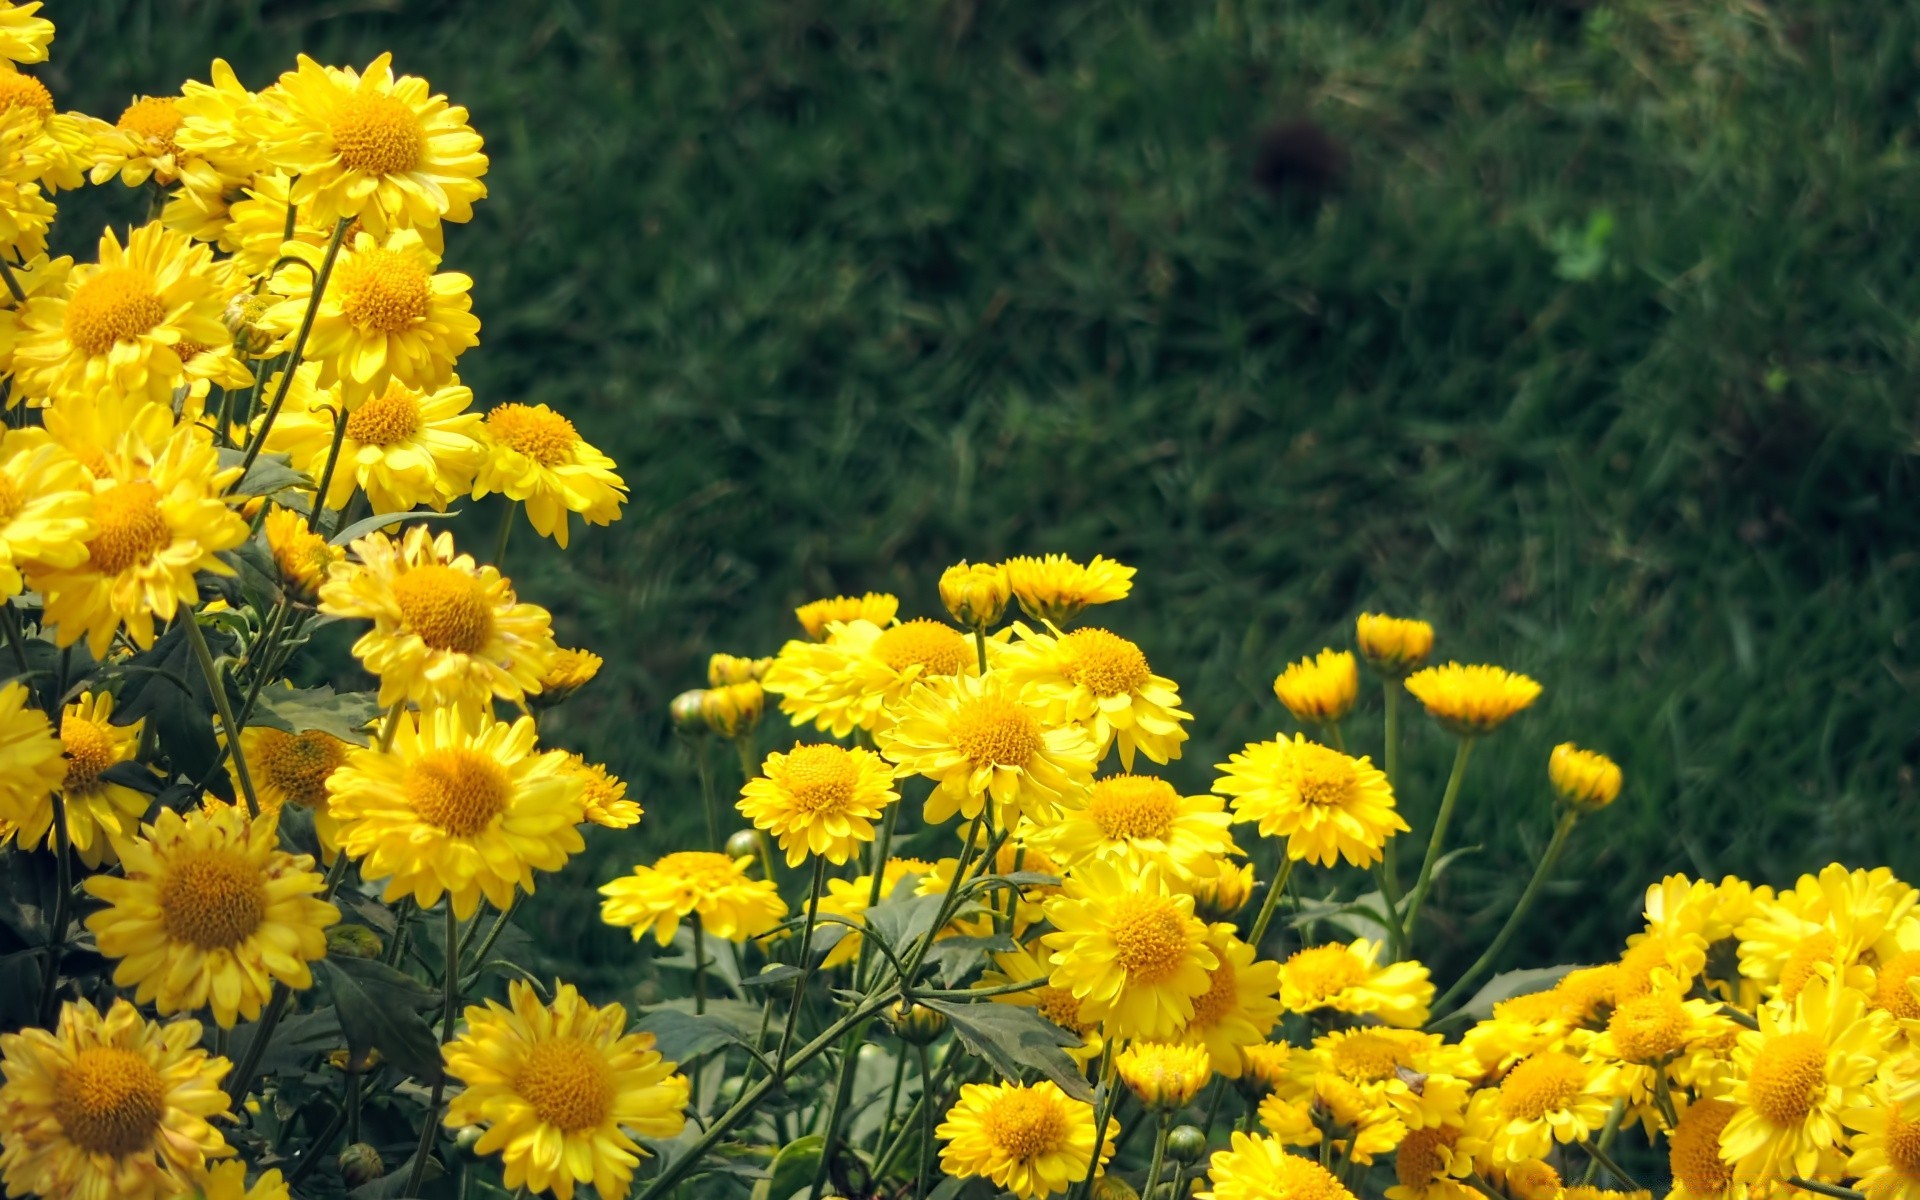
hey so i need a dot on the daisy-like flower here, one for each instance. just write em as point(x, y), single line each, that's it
point(713, 888)
point(210, 913)
point(733, 711)
point(848, 898)
point(1259, 1168)
point(139, 146)
point(41, 146)
point(975, 596)
point(568, 671)
point(1325, 1107)
point(561, 1090)
point(1319, 690)
point(303, 556)
point(978, 740)
point(157, 520)
point(1646, 1035)
point(46, 506)
point(256, 225)
point(819, 799)
point(1134, 821)
point(1057, 589)
point(388, 314)
point(1433, 1164)
point(1414, 1077)
point(1830, 921)
point(1163, 1075)
point(1032, 1140)
point(108, 1105)
point(24, 37)
point(1100, 681)
point(1130, 950)
point(726, 669)
point(358, 140)
point(1546, 1098)
point(293, 768)
point(1584, 778)
point(534, 455)
point(1472, 701)
point(218, 155)
point(445, 629)
point(99, 813)
point(406, 448)
point(458, 806)
point(1393, 646)
point(31, 761)
point(875, 608)
point(1349, 979)
point(1885, 1144)
point(111, 332)
point(605, 797)
point(861, 670)
point(1240, 1006)
point(1327, 805)
point(1531, 1179)
point(1693, 1154)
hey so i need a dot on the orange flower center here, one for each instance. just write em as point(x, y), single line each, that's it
point(1133, 807)
point(1025, 1124)
point(19, 90)
point(1219, 1000)
point(1323, 972)
point(1890, 987)
point(384, 291)
point(1424, 1155)
point(1533, 1180)
point(130, 527)
point(1368, 1057)
point(992, 730)
point(155, 118)
point(458, 791)
point(568, 1083)
point(380, 135)
point(299, 764)
point(109, 1101)
point(1060, 1006)
point(1149, 938)
point(1648, 1028)
point(446, 606)
point(89, 749)
point(1903, 1143)
point(1325, 777)
point(387, 419)
point(113, 305)
point(935, 648)
point(1104, 663)
point(536, 431)
point(821, 778)
point(213, 899)
point(1817, 949)
point(1543, 1083)
point(1788, 1074)
point(1694, 1151)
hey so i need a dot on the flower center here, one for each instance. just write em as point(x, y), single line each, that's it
point(19, 90)
point(1693, 1153)
point(1324, 777)
point(1533, 1180)
point(822, 778)
point(1890, 990)
point(1219, 1000)
point(538, 432)
point(1789, 1072)
point(1149, 938)
point(1544, 1083)
point(1026, 1124)
point(155, 118)
point(213, 899)
point(459, 791)
point(298, 764)
point(130, 528)
point(89, 749)
point(1425, 1155)
point(935, 648)
point(11, 501)
point(109, 1101)
point(1106, 664)
point(1649, 1028)
point(1817, 949)
point(1903, 1143)
point(392, 416)
point(568, 1084)
point(447, 607)
point(1060, 1006)
point(994, 730)
point(1133, 807)
point(1323, 972)
point(385, 291)
point(377, 134)
point(115, 304)
point(1368, 1057)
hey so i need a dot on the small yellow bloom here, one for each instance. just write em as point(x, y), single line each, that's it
point(1472, 701)
point(1134, 821)
point(1347, 978)
point(24, 37)
point(567, 672)
point(1056, 589)
point(1693, 1152)
point(31, 760)
point(879, 608)
point(1130, 950)
point(717, 889)
point(724, 669)
point(1259, 1168)
point(605, 794)
point(405, 447)
point(228, 1180)
point(1546, 1098)
point(1103, 683)
point(303, 556)
point(1327, 805)
point(1585, 779)
point(1164, 1076)
point(1217, 897)
point(976, 596)
point(734, 710)
point(534, 455)
point(1393, 646)
point(819, 799)
point(99, 813)
point(1319, 690)
point(1032, 1141)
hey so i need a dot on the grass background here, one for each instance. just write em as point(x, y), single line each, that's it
point(1585, 330)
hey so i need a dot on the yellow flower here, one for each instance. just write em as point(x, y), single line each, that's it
point(1057, 589)
point(1587, 780)
point(975, 596)
point(1130, 949)
point(1432, 1164)
point(1325, 1107)
point(876, 608)
point(1693, 1154)
point(405, 447)
point(1531, 1179)
point(108, 1106)
point(158, 520)
point(1319, 690)
point(1658, 1032)
point(464, 809)
point(1393, 646)
point(567, 672)
point(1024, 964)
point(713, 887)
point(1347, 978)
point(1472, 701)
point(861, 670)
point(1102, 682)
point(726, 669)
point(386, 316)
point(1259, 1168)
point(23, 36)
point(293, 768)
point(211, 912)
point(1164, 1076)
point(111, 333)
point(534, 455)
point(1133, 821)
point(1403, 1074)
point(848, 898)
point(99, 813)
point(1267, 1065)
point(445, 630)
point(358, 140)
point(1826, 924)
point(1327, 805)
point(303, 557)
point(605, 796)
point(1031, 1140)
point(1240, 1006)
point(140, 145)
point(561, 1090)
point(734, 710)
point(228, 1181)
point(1885, 1145)
point(1546, 1098)
point(217, 155)
point(977, 741)
point(25, 216)
point(819, 799)
point(31, 761)
point(256, 225)
point(46, 507)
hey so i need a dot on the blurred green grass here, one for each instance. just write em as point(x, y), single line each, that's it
point(1600, 354)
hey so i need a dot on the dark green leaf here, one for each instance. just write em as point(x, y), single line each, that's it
point(956, 957)
point(902, 922)
point(363, 527)
point(393, 1185)
point(776, 973)
point(296, 710)
point(133, 775)
point(255, 580)
point(793, 1167)
point(680, 1034)
point(376, 1006)
point(270, 473)
point(20, 989)
point(1015, 1038)
point(295, 1040)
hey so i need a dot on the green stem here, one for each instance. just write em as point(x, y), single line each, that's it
point(326, 473)
point(707, 797)
point(925, 1169)
point(980, 645)
point(224, 706)
point(18, 293)
point(1825, 1189)
point(1101, 1120)
point(1564, 826)
point(1335, 737)
point(1663, 1096)
point(749, 769)
point(317, 1149)
point(1390, 763)
point(837, 1110)
point(451, 984)
point(1437, 841)
point(877, 874)
point(506, 527)
point(806, 964)
point(299, 345)
point(494, 931)
point(699, 966)
point(1599, 1155)
point(893, 1099)
point(1607, 1133)
point(241, 1081)
point(62, 896)
point(392, 725)
point(1267, 905)
point(948, 903)
point(1159, 1153)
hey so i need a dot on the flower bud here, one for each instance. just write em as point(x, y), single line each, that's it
point(916, 1024)
point(1393, 646)
point(567, 673)
point(976, 596)
point(687, 711)
point(1319, 690)
point(360, 1164)
point(1220, 895)
point(354, 941)
point(745, 843)
point(723, 669)
point(1186, 1144)
point(1112, 1187)
point(1587, 780)
point(1164, 1076)
point(251, 339)
point(467, 1137)
point(734, 709)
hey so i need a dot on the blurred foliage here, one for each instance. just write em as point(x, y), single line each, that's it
point(1585, 330)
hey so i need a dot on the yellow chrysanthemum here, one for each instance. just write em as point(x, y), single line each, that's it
point(99, 813)
point(1472, 701)
point(465, 808)
point(1646, 1035)
point(819, 799)
point(31, 759)
point(1319, 690)
point(158, 520)
point(848, 898)
point(1134, 821)
point(1057, 589)
point(1828, 922)
point(733, 711)
point(217, 153)
point(534, 455)
point(561, 1091)
point(1259, 1168)
point(24, 37)
point(724, 670)
point(108, 1107)
point(568, 671)
point(1349, 979)
point(1584, 778)
point(1693, 1154)
point(1432, 1164)
point(112, 335)
point(388, 315)
point(1240, 1006)
point(1100, 681)
point(404, 447)
point(1327, 805)
point(1885, 1144)
point(38, 277)
point(140, 145)
point(1546, 1098)
point(256, 226)
point(1031, 1140)
point(228, 1181)
point(1393, 646)
point(876, 608)
point(25, 217)
point(303, 557)
point(1130, 949)
point(46, 507)
point(1024, 964)
point(1529, 1179)
point(605, 797)
point(39, 145)
point(445, 629)
point(293, 768)
point(1399, 1074)
point(354, 140)
point(211, 912)
point(1164, 1076)
point(975, 595)
point(851, 680)
point(1327, 1108)
point(1219, 896)
point(978, 740)
point(716, 889)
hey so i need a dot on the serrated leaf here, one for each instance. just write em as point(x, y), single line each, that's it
point(955, 958)
point(271, 472)
point(295, 1039)
point(1507, 985)
point(376, 1006)
point(297, 710)
point(1362, 917)
point(255, 579)
point(681, 1035)
point(901, 923)
point(775, 974)
point(1015, 1038)
point(363, 527)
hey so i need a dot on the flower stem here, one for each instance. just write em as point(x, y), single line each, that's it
point(980, 645)
point(1267, 905)
point(806, 965)
point(326, 473)
point(62, 896)
point(707, 797)
point(947, 903)
point(241, 1081)
point(1825, 1189)
point(506, 528)
point(1607, 1133)
point(1390, 763)
point(925, 1167)
point(1159, 1153)
point(451, 984)
point(1564, 826)
point(224, 706)
point(1438, 840)
point(1100, 1120)
point(299, 345)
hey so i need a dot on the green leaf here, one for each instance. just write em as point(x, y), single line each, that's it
point(255, 580)
point(1507, 985)
point(385, 521)
point(793, 1167)
point(1014, 1038)
point(1361, 917)
point(955, 958)
point(901, 923)
point(681, 1035)
point(296, 710)
point(270, 473)
point(393, 1185)
point(133, 775)
point(295, 1040)
point(377, 1009)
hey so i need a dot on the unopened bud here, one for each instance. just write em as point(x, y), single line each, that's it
point(243, 320)
point(687, 712)
point(745, 843)
point(916, 1024)
point(1112, 1187)
point(733, 710)
point(1186, 1144)
point(1587, 780)
point(723, 669)
point(1220, 895)
point(976, 596)
point(360, 1164)
point(354, 941)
